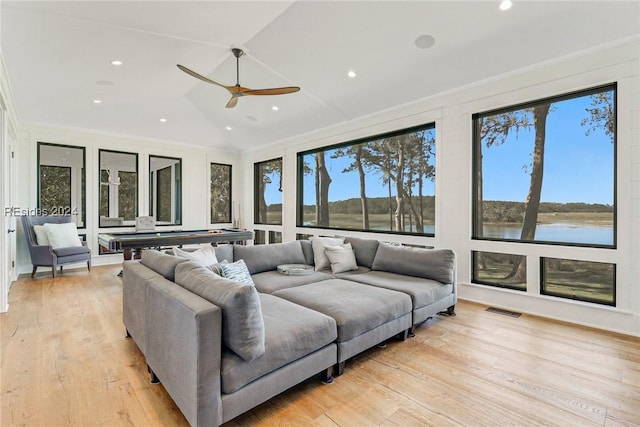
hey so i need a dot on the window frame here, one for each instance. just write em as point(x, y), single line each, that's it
point(256, 186)
point(543, 274)
point(137, 172)
point(153, 202)
point(230, 213)
point(476, 280)
point(61, 210)
point(300, 178)
point(476, 158)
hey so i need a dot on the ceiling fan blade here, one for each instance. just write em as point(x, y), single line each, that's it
point(201, 77)
point(272, 91)
point(232, 102)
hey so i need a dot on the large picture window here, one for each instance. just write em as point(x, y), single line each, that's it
point(220, 193)
point(383, 183)
point(545, 171)
point(61, 181)
point(268, 192)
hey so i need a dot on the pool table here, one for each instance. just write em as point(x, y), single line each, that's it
point(132, 243)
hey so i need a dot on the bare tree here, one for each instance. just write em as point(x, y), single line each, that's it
point(358, 152)
point(323, 180)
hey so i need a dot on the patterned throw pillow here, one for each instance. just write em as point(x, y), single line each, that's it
point(237, 271)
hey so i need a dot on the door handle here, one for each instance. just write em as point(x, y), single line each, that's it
point(11, 230)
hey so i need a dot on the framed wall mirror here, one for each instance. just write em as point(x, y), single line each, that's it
point(61, 181)
point(165, 190)
point(118, 192)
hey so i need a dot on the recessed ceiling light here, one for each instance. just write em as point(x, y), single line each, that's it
point(116, 62)
point(275, 108)
point(351, 74)
point(97, 101)
point(424, 41)
point(505, 5)
point(228, 128)
point(163, 120)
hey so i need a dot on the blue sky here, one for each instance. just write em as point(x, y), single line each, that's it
point(577, 168)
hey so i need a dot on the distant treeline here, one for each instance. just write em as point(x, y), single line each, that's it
point(500, 211)
point(494, 210)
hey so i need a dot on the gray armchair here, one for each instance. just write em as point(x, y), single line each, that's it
point(46, 256)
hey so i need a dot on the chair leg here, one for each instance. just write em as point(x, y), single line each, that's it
point(89, 265)
point(33, 273)
point(53, 271)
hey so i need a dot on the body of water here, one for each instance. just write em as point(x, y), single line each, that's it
point(565, 233)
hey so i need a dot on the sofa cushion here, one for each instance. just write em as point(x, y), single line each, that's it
point(271, 281)
point(242, 324)
point(236, 271)
point(285, 341)
point(62, 235)
point(365, 249)
point(356, 308)
point(261, 258)
point(422, 291)
point(307, 249)
point(436, 264)
point(320, 259)
point(72, 250)
point(206, 255)
point(361, 269)
point(341, 258)
point(161, 263)
point(224, 252)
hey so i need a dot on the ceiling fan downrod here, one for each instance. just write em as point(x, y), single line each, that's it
point(237, 53)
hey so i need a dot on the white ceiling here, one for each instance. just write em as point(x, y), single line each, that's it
point(58, 59)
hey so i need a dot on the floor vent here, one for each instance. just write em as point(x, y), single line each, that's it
point(503, 312)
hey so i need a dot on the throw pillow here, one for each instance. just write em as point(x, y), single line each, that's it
point(41, 235)
point(341, 257)
point(62, 235)
point(216, 268)
point(206, 255)
point(242, 324)
point(318, 243)
point(236, 271)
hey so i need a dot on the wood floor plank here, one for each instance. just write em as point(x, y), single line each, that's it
point(64, 361)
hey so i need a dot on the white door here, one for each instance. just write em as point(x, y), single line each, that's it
point(8, 239)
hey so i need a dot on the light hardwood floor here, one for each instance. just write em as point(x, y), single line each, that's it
point(65, 361)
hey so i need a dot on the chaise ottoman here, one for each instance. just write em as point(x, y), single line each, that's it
point(365, 315)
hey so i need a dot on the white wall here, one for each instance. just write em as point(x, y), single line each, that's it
point(195, 179)
point(452, 114)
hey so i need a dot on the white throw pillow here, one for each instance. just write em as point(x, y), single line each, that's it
point(342, 258)
point(41, 235)
point(318, 243)
point(204, 256)
point(62, 235)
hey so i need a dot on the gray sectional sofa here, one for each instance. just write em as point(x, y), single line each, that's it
point(221, 347)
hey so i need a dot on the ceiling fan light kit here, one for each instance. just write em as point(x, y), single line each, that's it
point(238, 91)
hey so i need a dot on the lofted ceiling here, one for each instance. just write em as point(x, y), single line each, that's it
point(58, 57)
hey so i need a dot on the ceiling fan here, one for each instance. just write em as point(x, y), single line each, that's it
point(237, 91)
